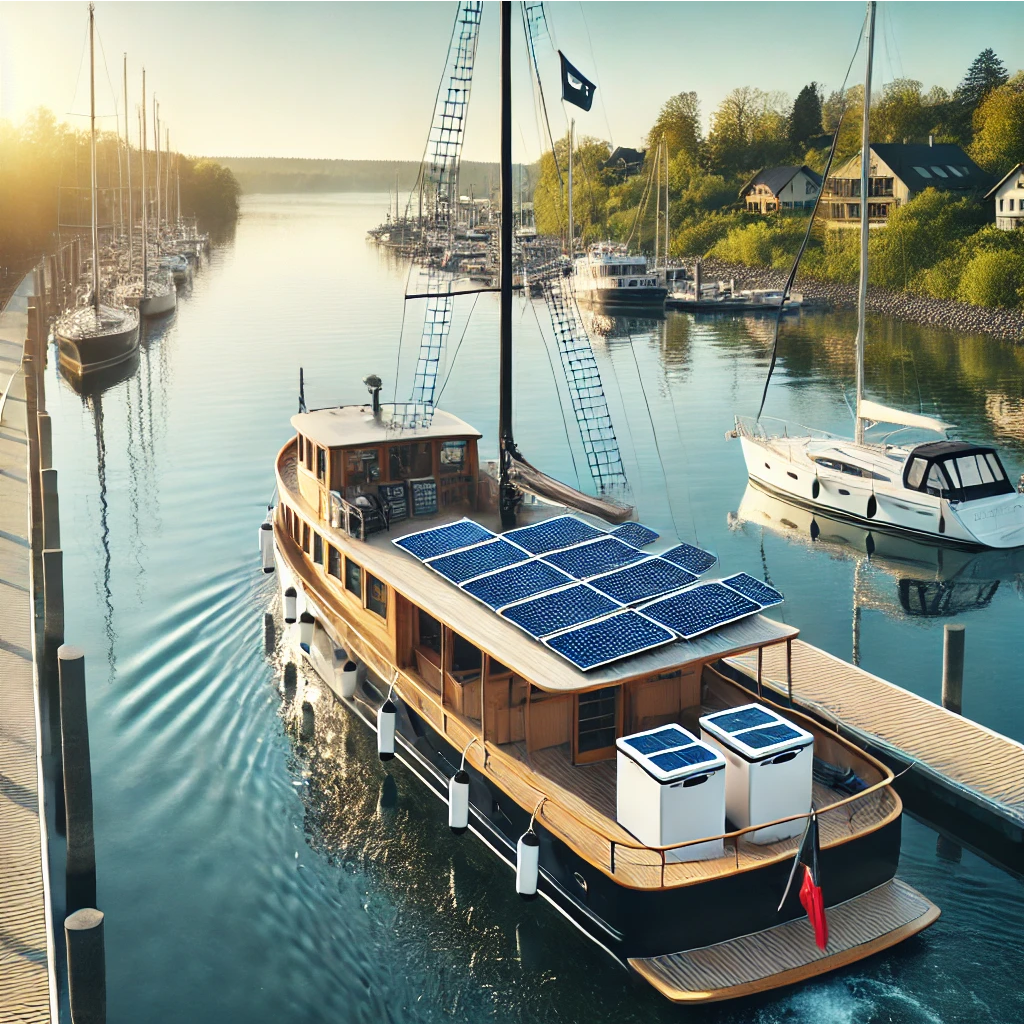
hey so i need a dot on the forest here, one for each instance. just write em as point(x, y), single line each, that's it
point(44, 179)
point(939, 244)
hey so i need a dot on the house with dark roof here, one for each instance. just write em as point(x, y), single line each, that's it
point(1008, 195)
point(626, 161)
point(896, 173)
point(781, 188)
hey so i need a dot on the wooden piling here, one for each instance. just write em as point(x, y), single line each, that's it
point(45, 440)
point(87, 971)
point(953, 668)
point(74, 723)
point(53, 596)
point(51, 509)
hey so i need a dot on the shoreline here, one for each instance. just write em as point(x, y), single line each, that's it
point(996, 322)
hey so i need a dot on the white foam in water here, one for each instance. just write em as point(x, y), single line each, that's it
point(848, 1000)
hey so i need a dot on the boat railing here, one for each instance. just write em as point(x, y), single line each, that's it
point(768, 428)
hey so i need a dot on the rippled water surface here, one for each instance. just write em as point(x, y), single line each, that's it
point(248, 879)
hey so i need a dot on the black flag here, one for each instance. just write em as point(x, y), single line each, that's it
point(575, 88)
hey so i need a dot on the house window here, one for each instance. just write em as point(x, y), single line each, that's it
point(853, 210)
point(810, 188)
point(878, 211)
point(333, 562)
point(453, 457)
point(362, 466)
point(409, 461)
point(1000, 206)
point(939, 171)
point(951, 168)
point(318, 548)
point(1011, 206)
point(922, 172)
point(376, 596)
point(353, 578)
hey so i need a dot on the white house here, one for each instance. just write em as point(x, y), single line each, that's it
point(781, 188)
point(1009, 199)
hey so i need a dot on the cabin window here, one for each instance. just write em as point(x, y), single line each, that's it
point(376, 596)
point(333, 562)
point(305, 537)
point(321, 464)
point(466, 657)
point(410, 461)
point(318, 548)
point(430, 632)
point(453, 456)
point(362, 466)
point(353, 578)
point(937, 483)
point(915, 475)
point(977, 475)
point(307, 454)
point(596, 720)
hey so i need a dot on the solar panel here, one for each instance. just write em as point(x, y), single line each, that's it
point(467, 563)
point(748, 718)
point(643, 581)
point(699, 609)
point(552, 534)
point(663, 739)
point(594, 557)
point(559, 609)
point(754, 589)
point(636, 534)
point(673, 759)
point(693, 559)
point(600, 643)
point(442, 539)
point(497, 589)
point(768, 736)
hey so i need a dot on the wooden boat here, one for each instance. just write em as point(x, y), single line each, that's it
point(465, 698)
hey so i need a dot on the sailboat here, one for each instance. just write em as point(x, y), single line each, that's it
point(523, 658)
point(948, 489)
point(95, 336)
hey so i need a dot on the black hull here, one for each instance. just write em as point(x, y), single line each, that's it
point(80, 357)
point(631, 923)
point(646, 299)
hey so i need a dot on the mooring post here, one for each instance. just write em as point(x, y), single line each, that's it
point(51, 509)
point(87, 969)
point(74, 725)
point(290, 680)
point(953, 668)
point(53, 596)
point(45, 440)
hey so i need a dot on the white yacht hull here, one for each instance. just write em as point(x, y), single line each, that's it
point(781, 467)
point(158, 305)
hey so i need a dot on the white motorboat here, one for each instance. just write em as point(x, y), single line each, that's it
point(607, 276)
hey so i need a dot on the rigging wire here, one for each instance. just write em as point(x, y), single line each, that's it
point(455, 354)
point(810, 224)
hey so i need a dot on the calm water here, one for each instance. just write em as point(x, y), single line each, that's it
point(246, 879)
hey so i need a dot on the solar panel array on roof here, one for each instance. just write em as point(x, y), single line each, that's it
point(558, 609)
point(442, 539)
point(636, 534)
point(468, 563)
point(643, 581)
point(699, 609)
point(552, 534)
point(618, 636)
point(517, 583)
point(594, 557)
point(755, 590)
point(695, 560)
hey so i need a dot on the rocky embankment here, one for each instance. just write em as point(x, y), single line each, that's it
point(1007, 324)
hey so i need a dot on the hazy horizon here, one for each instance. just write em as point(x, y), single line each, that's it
point(357, 80)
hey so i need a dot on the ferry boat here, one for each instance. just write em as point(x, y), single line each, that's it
point(607, 277)
point(516, 656)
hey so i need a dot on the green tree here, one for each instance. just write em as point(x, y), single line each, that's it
point(748, 130)
point(590, 190)
point(999, 127)
point(993, 278)
point(899, 113)
point(805, 117)
point(679, 124)
point(987, 72)
point(845, 109)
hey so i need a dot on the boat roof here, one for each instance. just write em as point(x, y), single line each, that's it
point(354, 425)
point(940, 449)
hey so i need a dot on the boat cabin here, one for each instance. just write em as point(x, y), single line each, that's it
point(956, 470)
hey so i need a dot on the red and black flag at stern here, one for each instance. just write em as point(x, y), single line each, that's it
point(810, 881)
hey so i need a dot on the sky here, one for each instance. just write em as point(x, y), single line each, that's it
point(357, 80)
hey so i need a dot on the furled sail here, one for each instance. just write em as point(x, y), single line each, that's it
point(530, 479)
point(885, 414)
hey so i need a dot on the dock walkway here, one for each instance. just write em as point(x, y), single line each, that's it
point(967, 766)
point(27, 987)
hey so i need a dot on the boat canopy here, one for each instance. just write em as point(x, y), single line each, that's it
point(885, 414)
point(956, 470)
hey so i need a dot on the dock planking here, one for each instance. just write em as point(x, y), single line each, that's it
point(964, 769)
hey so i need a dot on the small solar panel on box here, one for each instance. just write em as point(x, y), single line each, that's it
point(552, 534)
point(467, 563)
point(754, 589)
point(618, 636)
point(700, 609)
point(559, 609)
point(636, 534)
point(693, 559)
point(594, 557)
point(658, 739)
point(517, 583)
point(643, 581)
point(441, 539)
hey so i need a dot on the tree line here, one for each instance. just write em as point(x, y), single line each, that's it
point(938, 244)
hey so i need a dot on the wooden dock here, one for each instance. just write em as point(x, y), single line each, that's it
point(27, 976)
point(967, 780)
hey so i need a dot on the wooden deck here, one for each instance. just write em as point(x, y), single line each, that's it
point(787, 953)
point(25, 950)
point(974, 764)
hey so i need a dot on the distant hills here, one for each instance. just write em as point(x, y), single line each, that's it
point(278, 174)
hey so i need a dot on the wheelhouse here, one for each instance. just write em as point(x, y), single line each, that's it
point(956, 470)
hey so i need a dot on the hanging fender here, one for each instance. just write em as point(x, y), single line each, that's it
point(386, 719)
point(290, 600)
point(458, 796)
point(267, 547)
point(527, 864)
point(306, 622)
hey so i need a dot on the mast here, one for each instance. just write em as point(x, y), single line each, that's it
point(657, 202)
point(167, 176)
point(506, 492)
point(128, 154)
point(572, 227)
point(145, 198)
point(92, 166)
point(664, 143)
point(156, 138)
point(865, 160)
point(177, 187)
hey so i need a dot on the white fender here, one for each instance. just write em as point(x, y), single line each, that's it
point(290, 599)
point(458, 802)
point(267, 547)
point(346, 678)
point(527, 864)
point(306, 630)
point(386, 718)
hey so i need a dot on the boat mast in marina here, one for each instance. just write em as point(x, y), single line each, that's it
point(128, 151)
point(145, 197)
point(92, 166)
point(508, 496)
